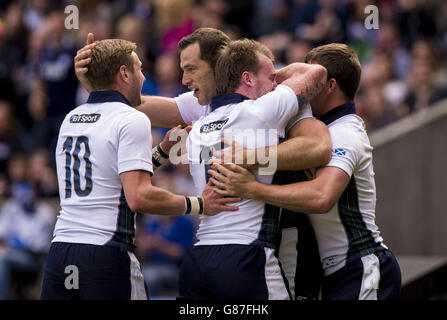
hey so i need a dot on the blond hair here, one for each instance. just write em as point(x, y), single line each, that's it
point(107, 58)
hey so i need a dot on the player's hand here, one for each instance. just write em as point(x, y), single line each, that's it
point(213, 203)
point(235, 153)
point(174, 136)
point(232, 180)
point(81, 61)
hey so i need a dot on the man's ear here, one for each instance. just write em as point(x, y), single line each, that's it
point(246, 78)
point(124, 74)
point(332, 85)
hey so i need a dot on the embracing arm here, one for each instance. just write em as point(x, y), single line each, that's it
point(316, 196)
point(162, 111)
point(306, 80)
point(309, 146)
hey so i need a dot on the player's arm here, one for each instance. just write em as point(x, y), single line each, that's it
point(143, 197)
point(162, 111)
point(309, 146)
point(82, 59)
point(306, 80)
point(162, 152)
point(309, 143)
point(316, 196)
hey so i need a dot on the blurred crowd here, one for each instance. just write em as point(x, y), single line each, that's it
point(404, 69)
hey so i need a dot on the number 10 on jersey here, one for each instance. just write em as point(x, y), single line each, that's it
point(68, 146)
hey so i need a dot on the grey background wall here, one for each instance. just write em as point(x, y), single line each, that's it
point(410, 159)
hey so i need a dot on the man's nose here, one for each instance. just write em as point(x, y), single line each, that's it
point(185, 80)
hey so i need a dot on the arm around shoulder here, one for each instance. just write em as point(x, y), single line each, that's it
point(306, 80)
point(315, 196)
point(308, 146)
point(162, 111)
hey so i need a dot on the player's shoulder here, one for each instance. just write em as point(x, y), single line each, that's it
point(186, 99)
point(349, 124)
point(349, 130)
point(281, 91)
point(133, 117)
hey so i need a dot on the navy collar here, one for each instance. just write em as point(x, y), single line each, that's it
point(338, 112)
point(107, 96)
point(223, 99)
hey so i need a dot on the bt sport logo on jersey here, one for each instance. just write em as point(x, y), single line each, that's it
point(85, 118)
point(213, 126)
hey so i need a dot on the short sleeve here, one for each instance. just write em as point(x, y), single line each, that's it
point(189, 107)
point(345, 148)
point(135, 143)
point(304, 113)
point(276, 108)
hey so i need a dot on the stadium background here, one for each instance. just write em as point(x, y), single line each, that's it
point(404, 82)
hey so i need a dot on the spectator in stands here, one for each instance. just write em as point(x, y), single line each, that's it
point(162, 245)
point(389, 43)
point(415, 20)
point(382, 93)
point(25, 230)
point(42, 174)
point(11, 139)
point(174, 21)
point(423, 89)
point(167, 76)
point(12, 50)
point(58, 81)
point(328, 26)
point(375, 109)
point(297, 51)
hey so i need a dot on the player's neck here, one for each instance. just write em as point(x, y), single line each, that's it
point(334, 100)
point(246, 91)
point(116, 88)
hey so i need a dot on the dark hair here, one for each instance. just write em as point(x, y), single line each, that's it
point(210, 41)
point(236, 58)
point(342, 64)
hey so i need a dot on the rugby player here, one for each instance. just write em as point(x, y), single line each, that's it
point(104, 169)
point(235, 256)
point(340, 196)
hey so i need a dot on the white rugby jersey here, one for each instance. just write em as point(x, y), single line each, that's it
point(255, 124)
point(348, 231)
point(191, 110)
point(98, 141)
point(189, 107)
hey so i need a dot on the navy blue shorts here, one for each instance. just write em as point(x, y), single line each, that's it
point(232, 272)
point(373, 277)
point(90, 272)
